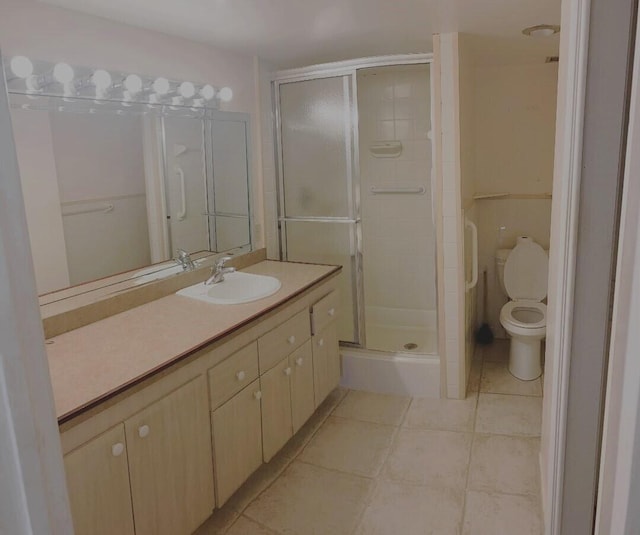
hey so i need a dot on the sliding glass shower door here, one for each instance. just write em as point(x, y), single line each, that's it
point(318, 203)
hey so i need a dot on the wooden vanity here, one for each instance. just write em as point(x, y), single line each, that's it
point(166, 409)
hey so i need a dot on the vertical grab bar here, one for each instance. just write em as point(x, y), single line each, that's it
point(474, 255)
point(183, 204)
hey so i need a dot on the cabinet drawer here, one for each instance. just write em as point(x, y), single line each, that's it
point(324, 312)
point(277, 344)
point(233, 374)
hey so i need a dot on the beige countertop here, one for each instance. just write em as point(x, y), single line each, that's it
point(95, 362)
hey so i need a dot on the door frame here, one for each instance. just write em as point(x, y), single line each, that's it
point(33, 490)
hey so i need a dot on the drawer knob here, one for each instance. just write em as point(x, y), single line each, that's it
point(331, 312)
point(321, 342)
point(117, 449)
point(257, 395)
point(240, 375)
point(299, 361)
point(143, 431)
point(287, 371)
point(291, 340)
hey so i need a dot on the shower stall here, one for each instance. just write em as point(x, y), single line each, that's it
point(354, 180)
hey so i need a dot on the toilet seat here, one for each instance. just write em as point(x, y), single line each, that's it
point(509, 313)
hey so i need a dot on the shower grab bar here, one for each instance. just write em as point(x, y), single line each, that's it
point(183, 194)
point(474, 255)
point(319, 220)
point(382, 191)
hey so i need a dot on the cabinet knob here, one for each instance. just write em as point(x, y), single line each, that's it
point(257, 395)
point(117, 449)
point(321, 342)
point(299, 361)
point(291, 340)
point(143, 431)
point(331, 312)
point(240, 375)
point(287, 371)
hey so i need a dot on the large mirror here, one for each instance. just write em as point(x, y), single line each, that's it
point(109, 190)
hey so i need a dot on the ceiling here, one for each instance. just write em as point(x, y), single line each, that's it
point(295, 33)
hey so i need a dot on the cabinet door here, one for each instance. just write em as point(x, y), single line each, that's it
point(326, 362)
point(170, 462)
point(276, 409)
point(237, 441)
point(98, 483)
point(302, 396)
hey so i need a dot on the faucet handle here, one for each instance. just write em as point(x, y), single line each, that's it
point(221, 261)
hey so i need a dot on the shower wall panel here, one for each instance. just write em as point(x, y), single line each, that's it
point(398, 231)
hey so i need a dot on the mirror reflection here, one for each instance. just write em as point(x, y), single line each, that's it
point(110, 190)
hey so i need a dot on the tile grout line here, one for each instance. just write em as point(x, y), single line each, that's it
point(376, 479)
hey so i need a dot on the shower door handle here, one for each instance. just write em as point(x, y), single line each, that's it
point(474, 255)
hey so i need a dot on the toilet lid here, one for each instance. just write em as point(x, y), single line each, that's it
point(526, 271)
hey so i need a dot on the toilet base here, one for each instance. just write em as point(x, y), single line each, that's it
point(524, 358)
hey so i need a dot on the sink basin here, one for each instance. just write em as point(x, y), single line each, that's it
point(236, 288)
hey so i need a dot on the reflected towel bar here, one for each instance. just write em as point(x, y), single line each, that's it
point(104, 209)
point(381, 191)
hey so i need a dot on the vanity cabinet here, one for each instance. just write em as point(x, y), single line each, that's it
point(98, 484)
point(153, 471)
point(326, 352)
point(237, 440)
point(159, 460)
point(170, 465)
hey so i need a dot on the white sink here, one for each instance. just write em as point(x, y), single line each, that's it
point(236, 288)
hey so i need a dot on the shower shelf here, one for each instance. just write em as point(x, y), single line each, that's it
point(386, 149)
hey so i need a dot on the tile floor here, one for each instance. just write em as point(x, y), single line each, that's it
point(370, 464)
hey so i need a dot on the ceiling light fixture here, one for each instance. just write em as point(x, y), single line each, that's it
point(63, 80)
point(541, 30)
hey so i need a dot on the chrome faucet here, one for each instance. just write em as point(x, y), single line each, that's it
point(218, 271)
point(184, 260)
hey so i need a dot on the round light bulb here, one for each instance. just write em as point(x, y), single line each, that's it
point(187, 89)
point(225, 94)
point(21, 66)
point(133, 84)
point(161, 86)
point(207, 92)
point(63, 73)
point(101, 79)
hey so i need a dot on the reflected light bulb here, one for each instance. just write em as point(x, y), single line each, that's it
point(207, 92)
point(63, 73)
point(21, 66)
point(101, 79)
point(225, 94)
point(133, 84)
point(187, 89)
point(161, 86)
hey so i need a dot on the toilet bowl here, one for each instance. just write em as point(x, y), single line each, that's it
point(525, 316)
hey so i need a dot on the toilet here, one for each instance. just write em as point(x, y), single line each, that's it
point(522, 273)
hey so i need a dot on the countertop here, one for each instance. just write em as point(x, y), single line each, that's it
point(95, 362)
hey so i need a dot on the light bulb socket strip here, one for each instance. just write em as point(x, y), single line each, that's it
point(42, 78)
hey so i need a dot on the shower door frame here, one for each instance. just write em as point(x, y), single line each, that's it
point(349, 69)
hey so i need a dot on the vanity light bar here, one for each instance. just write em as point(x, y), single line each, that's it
point(40, 78)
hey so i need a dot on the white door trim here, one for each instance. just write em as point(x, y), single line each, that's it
point(566, 191)
point(33, 495)
point(621, 444)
